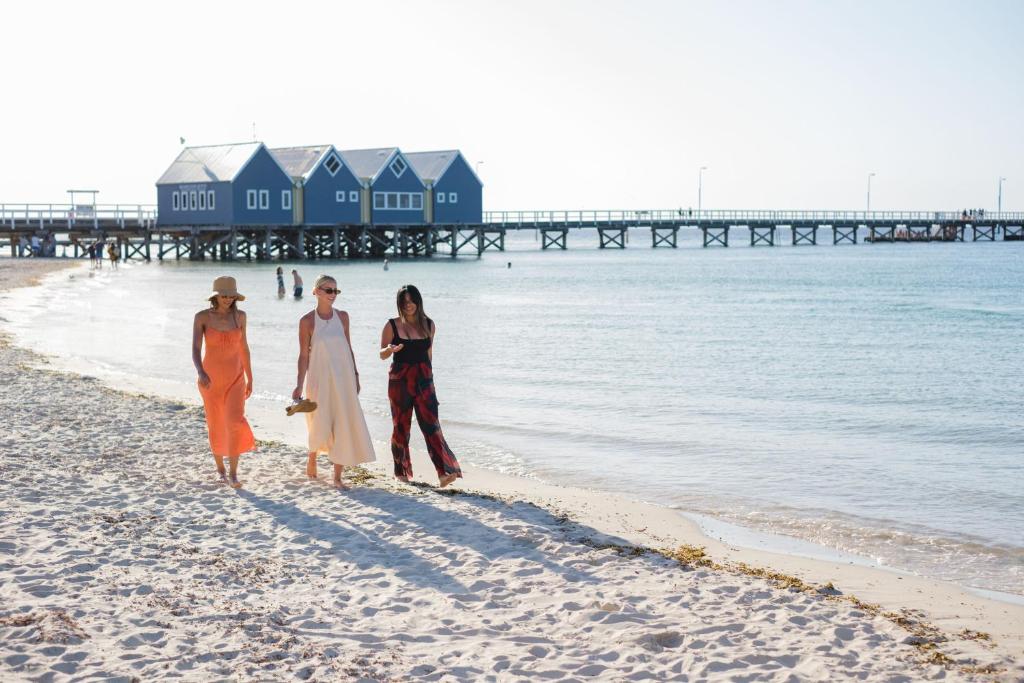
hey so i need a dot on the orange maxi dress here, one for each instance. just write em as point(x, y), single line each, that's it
point(224, 399)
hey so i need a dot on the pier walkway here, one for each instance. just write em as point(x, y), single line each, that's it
point(68, 230)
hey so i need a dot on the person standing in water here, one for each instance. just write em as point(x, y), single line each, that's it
point(327, 366)
point(298, 284)
point(409, 339)
point(225, 375)
point(280, 282)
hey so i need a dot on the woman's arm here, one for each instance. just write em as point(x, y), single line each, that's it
point(198, 326)
point(430, 350)
point(246, 357)
point(387, 349)
point(344, 324)
point(305, 334)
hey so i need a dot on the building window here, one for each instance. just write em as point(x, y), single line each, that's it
point(192, 200)
point(250, 199)
point(353, 196)
point(399, 201)
point(209, 199)
point(398, 167)
point(440, 197)
point(453, 197)
point(264, 199)
point(332, 165)
point(202, 201)
point(175, 202)
point(286, 199)
point(339, 196)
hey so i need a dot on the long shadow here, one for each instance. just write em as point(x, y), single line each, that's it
point(491, 543)
point(341, 538)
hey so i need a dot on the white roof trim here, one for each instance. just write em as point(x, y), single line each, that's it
point(272, 158)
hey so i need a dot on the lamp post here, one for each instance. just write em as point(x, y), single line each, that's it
point(700, 188)
point(870, 176)
point(999, 208)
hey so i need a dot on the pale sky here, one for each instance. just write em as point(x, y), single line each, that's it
point(589, 104)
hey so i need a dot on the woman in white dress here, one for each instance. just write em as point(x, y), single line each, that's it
point(328, 368)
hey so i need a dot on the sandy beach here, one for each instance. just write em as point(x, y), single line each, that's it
point(122, 558)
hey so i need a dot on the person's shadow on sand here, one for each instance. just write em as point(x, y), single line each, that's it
point(332, 534)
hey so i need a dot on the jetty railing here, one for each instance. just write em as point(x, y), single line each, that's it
point(644, 217)
point(80, 216)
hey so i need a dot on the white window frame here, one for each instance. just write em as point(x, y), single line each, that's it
point(250, 200)
point(264, 200)
point(192, 204)
point(202, 200)
point(286, 199)
point(379, 200)
point(339, 196)
point(440, 197)
point(453, 197)
point(337, 168)
point(398, 160)
point(416, 201)
point(175, 201)
point(211, 196)
point(392, 201)
point(353, 195)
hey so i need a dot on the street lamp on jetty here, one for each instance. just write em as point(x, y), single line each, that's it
point(1000, 200)
point(700, 187)
point(870, 176)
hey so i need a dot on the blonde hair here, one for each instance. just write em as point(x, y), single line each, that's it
point(322, 279)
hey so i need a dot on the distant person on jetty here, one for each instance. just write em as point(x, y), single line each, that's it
point(408, 339)
point(280, 282)
point(327, 366)
point(225, 375)
point(297, 282)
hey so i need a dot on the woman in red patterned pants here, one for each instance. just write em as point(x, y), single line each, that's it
point(408, 341)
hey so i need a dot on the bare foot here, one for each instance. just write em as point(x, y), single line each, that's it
point(340, 485)
point(233, 480)
point(311, 469)
point(403, 478)
point(222, 477)
point(446, 479)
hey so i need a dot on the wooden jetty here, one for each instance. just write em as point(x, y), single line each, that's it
point(68, 230)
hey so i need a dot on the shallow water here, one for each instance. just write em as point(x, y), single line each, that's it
point(866, 398)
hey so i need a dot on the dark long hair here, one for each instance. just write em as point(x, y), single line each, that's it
point(422, 323)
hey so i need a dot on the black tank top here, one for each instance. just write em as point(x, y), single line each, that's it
point(413, 350)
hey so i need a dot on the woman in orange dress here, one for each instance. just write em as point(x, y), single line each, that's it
point(225, 376)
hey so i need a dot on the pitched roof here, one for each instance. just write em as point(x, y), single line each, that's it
point(212, 163)
point(432, 165)
point(299, 162)
point(367, 163)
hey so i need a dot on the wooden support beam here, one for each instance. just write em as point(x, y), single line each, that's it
point(1013, 233)
point(882, 233)
point(715, 234)
point(612, 237)
point(664, 236)
point(986, 233)
point(553, 237)
point(805, 234)
point(762, 234)
point(842, 234)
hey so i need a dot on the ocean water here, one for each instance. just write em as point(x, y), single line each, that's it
point(865, 398)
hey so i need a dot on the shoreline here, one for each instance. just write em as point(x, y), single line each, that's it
point(626, 529)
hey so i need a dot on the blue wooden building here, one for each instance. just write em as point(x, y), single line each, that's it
point(240, 184)
point(454, 192)
point(394, 193)
point(326, 192)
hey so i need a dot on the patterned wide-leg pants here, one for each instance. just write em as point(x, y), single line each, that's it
point(411, 387)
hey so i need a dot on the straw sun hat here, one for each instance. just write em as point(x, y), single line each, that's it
point(225, 286)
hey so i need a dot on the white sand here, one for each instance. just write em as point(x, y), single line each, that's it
point(120, 557)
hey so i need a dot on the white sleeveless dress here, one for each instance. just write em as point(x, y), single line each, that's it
point(337, 426)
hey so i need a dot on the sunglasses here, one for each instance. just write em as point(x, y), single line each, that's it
point(330, 290)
